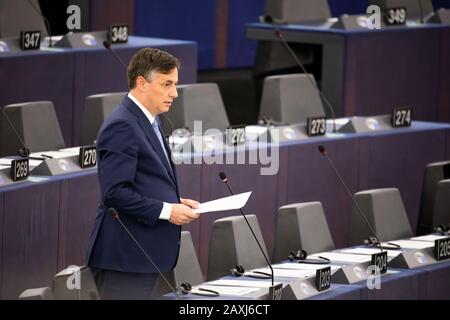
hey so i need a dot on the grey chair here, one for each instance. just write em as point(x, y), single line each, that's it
point(290, 99)
point(386, 213)
point(232, 244)
point(301, 226)
point(272, 56)
point(97, 108)
point(16, 16)
point(297, 11)
point(75, 283)
point(36, 122)
point(186, 270)
point(44, 293)
point(434, 172)
point(441, 210)
point(198, 102)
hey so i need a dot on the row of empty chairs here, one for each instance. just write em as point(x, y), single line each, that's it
point(286, 98)
point(299, 226)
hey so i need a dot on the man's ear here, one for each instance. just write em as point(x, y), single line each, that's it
point(141, 83)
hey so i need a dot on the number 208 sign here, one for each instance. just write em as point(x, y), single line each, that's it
point(88, 157)
point(442, 249)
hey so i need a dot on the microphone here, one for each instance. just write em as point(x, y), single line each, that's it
point(47, 23)
point(113, 212)
point(269, 19)
point(107, 46)
point(224, 178)
point(324, 152)
point(23, 151)
point(280, 36)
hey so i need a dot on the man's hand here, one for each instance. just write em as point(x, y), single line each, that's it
point(190, 203)
point(182, 214)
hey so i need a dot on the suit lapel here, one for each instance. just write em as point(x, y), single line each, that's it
point(147, 128)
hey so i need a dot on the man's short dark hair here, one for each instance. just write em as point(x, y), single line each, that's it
point(147, 60)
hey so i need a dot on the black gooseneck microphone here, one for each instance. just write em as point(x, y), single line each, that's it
point(107, 46)
point(224, 178)
point(280, 36)
point(47, 23)
point(23, 151)
point(113, 212)
point(323, 151)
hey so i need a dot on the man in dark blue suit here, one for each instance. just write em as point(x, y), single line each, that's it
point(138, 178)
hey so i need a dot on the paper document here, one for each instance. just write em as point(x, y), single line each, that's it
point(411, 244)
point(342, 257)
point(370, 251)
point(224, 291)
point(54, 154)
point(5, 162)
point(289, 273)
point(430, 237)
point(304, 266)
point(228, 203)
point(244, 283)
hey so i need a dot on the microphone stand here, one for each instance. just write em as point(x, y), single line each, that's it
point(224, 179)
point(280, 36)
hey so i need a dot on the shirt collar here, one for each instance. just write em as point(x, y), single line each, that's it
point(144, 109)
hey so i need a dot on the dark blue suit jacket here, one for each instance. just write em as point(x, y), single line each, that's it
point(135, 178)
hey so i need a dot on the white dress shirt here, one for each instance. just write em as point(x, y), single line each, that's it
point(167, 207)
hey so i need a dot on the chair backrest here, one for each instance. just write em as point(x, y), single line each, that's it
point(232, 244)
point(434, 172)
point(301, 226)
point(441, 210)
point(36, 122)
point(290, 99)
point(44, 293)
point(97, 108)
point(296, 11)
point(186, 270)
point(198, 102)
point(386, 213)
point(75, 283)
point(16, 16)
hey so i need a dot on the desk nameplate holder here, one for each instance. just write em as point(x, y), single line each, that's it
point(57, 166)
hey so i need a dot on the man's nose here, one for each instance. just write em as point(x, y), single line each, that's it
point(175, 92)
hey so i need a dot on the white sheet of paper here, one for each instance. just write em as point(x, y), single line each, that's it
point(243, 283)
point(290, 273)
point(34, 163)
point(5, 162)
point(430, 237)
point(228, 203)
point(305, 266)
point(225, 290)
point(342, 257)
point(54, 154)
point(370, 251)
point(74, 150)
point(411, 244)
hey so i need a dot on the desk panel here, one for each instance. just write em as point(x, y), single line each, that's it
point(78, 208)
point(30, 238)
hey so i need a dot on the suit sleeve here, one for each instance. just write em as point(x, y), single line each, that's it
point(118, 155)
